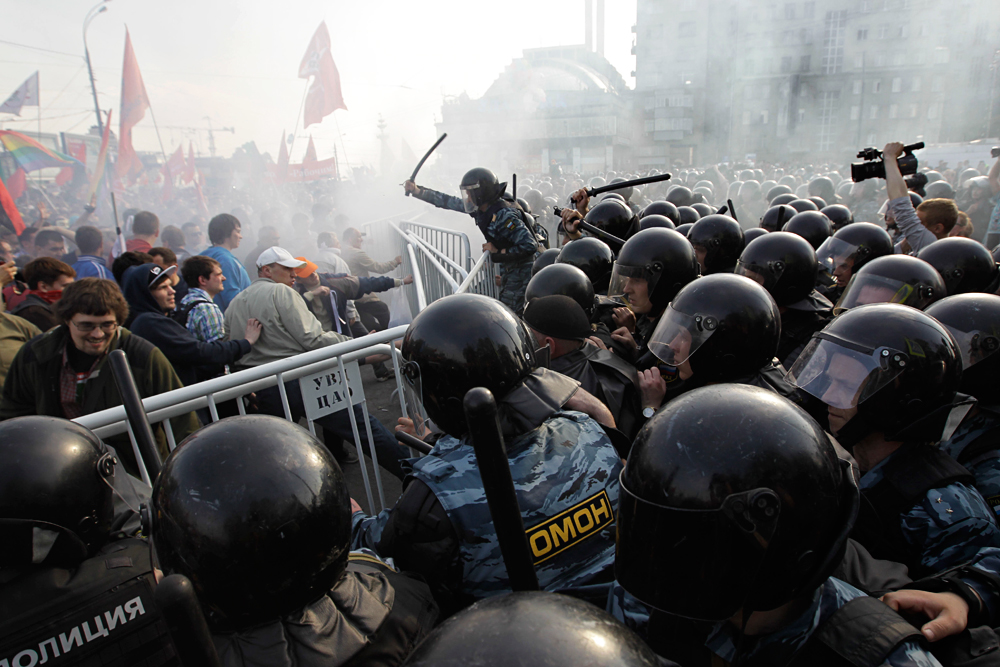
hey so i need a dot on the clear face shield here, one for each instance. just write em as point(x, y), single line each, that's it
point(634, 284)
point(975, 346)
point(864, 289)
point(766, 275)
point(469, 197)
point(834, 252)
point(678, 335)
point(842, 374)
point(413, 398)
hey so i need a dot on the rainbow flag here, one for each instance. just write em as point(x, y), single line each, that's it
point(102, 158)
point(31, 155)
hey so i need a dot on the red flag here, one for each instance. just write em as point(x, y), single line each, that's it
point(324, 95)
point(188, 174)
point(77, 149)
point(176, 161)
point(10, 217)
point(17, 184)
point(168, 183)
point(133, 108)
point(310, 152)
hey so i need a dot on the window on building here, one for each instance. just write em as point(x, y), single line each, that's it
point(877, 86)
point(802, 115)
point(782, 115)
point(834, 31)
point(866, 6)
point(880, 59)
point(686, 29)
point(873, 112)
point(859, 61)
point(765, 91)
point(746, 117)
point(980, 35)
point(650, 124)
point(883, 31)
point(904, 31)
point(804, 63)
point(749, 92)
point(855, 113)
point(809, 9)
point(893, 111)
point(805, 36)
point(790, 11)
point(764, 117)
point(932, 111)
point(924, 31)
point(857, 87)
point(937, 84)
point(872, 139)
point(786, 64)
point(914, 110)
point(897, 84)
point(915, 85)
point(942, 55)
point(898, 59)
point(862, 34)
point(748, 67)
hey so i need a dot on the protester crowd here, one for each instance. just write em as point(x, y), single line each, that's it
point(750, 412)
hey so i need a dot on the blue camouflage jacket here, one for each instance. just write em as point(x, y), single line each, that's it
point(565, 475)
point(777, 648)
point(985, 467)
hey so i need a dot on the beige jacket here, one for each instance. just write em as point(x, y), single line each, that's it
point(289, 327)
point(363, 265)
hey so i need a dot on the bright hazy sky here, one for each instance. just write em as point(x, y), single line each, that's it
point(236, 62)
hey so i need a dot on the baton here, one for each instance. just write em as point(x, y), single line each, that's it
point(412, 442)
point(494, 468)
point(135, 412)
point(732, 210)
point(624, 184)
point(420, 164)
point(781, 218)
point(586, 226)
point(722, 211)
point(177, 602)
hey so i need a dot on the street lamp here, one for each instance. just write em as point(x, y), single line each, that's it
point(91, 15)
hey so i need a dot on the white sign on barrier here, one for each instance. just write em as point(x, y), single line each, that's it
point(324, 393)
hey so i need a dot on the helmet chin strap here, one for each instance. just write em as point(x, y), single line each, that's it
point(854, 431)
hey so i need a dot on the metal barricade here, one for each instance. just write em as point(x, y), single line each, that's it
point(482, 278)
point(454, 245)
point(336, 365)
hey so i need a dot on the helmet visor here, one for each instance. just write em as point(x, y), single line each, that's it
point(864, 289)
point(633, 282)
point(974, 345)
point(842, 374)
point(678, 335)
point(834, 252)
point(413, 397)
point(471, 196)
point(765, 275)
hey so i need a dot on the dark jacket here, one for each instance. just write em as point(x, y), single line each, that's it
point(32, 386)
point(193, 359)
point(347, 288)
point(612, 380)
point(36, 310)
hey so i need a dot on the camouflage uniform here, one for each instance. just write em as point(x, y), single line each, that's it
point(776, 648)
point(985, 466)
point(566, 478)
point(502, 226)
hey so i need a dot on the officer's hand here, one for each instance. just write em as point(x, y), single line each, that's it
point(489, 247)
point(7, 272)
point(406, 425)
point(581, 199)
point(411, 187)
point(892, 150)
point(598, 342)
point(948, 612)
point(408, 280)
point(252, 333)
point(355, 507)
point(571, 221)
point(498, 281)
point(652, 387)
point(623, 317)
point(624, 337)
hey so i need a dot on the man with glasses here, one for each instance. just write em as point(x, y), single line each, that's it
point(64, 373)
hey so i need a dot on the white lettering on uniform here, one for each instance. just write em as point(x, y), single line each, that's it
point(45, 655)
point(74, 638)
point(100, 632)
point(134, 608)
point(29, 653)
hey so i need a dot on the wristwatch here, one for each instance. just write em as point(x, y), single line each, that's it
point(648, 412)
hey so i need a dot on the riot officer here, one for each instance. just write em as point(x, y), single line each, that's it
point(847, 251)
point(592, 256)
point(755, 233)
point(256, 513)
point(564, 279)
point(656, 220)
point(775, 217)
point(776, 191)
point(67, 569)
point(661, 207)
point(801, 205)
point(839, 215)
point(610, 215)
point(893, 279)
point(718, 242)
point(735, 512)
point(511, 244)
point(544, 259)
point(785, 264)
point(889, 374)
point(813, 226)
point(965, 265)
point(441, 525)
point(688, 215)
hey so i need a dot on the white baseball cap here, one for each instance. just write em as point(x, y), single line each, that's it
point(276, 255)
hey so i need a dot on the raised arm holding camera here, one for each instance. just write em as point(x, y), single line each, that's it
point(915, 232)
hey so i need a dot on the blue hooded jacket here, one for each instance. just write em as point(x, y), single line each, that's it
point(193, 360)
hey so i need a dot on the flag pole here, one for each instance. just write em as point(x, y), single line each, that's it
point(347, 160)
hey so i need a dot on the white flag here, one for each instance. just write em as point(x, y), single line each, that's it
point(25, 96)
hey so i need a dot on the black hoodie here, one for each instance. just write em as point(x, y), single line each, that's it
point(193, 360)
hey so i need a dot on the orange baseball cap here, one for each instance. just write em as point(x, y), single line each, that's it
point(306, 269)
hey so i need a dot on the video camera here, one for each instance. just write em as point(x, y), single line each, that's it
point(995, 151)
point(874, 167)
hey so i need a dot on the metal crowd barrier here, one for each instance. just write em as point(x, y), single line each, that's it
point(454, 245)
point(481, 279)
point(336, 365)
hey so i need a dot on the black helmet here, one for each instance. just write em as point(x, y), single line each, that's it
point(777, 190)
point(256, 513)
point(839, 215)
point(55, 481)
point(480, 186)
point(611, 195)
point(685, 229)
point(545, 258)
point(535, 200)
point(784, 263)
point(784, 199)
point(722, 240)
point(859, 242)
point(940, 190)
point(535, 628)
point(562, 279)
point(656, 220)
point(974, 321)
point(732, 498)
point(661, 257)
point(915, 199)
point(819, 201)
point(964, 264)
point(775, 217)
point(679, 195)
point(613, 216)
point(597, 182)
point(898, 366)
point(704, 210)
point(933, 176)
point(813, 226)
point(525, 206)
point(664, 208)
point(801, 205)
point(593, 257)
point(893, 279)
point(822, 187)
point(460, 342)
point(626, 192)
point(726, 326)
point(753, 233)
point(687, 214)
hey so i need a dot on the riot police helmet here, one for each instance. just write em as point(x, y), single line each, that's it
point(775, 217)
point(974, 322)
point(939, 190)
point(625, 192)
point(593, 257)
point(813, 226)
point(803, 204)
point(661, 207)
point(703, 209)
point(536, 201)
point(784, 263)
point(893, 279)
point(613, 216)
point(853, 246)
point(777, 190)
point(679, 195)
point(753, 233)
point(688, 214)
point(685, 229)
point(545, 258)
point(562, 279)
point(964, 264)
point(256, 513)
point(819, 201)
point(655, 220)
point(784, 199)
point(718, 240)
point(480, 186)
point(662, 258)
point(840, 216)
